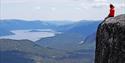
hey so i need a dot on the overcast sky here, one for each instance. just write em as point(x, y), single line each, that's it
point(58, 9)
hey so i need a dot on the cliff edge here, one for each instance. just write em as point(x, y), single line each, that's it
point(110, 40)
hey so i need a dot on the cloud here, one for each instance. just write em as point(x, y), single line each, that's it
point(99, 5)
point(120, 5)
point(58, 9)
point(13, 1)
point(53, 8)
point(37, 7)
point(100, 0)
point(106, 3)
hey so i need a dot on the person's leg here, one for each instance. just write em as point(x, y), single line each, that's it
point(106, 18)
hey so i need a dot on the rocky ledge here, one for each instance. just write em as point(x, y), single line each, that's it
point(110, 40)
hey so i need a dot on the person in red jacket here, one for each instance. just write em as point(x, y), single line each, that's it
point(112, 11)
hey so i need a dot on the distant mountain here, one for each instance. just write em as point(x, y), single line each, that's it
point(14, 24)
point(76, 34)
point(63, 26)
point(25, 46)
point(76, 43)
point(72, 44)
point(62, 41)
point(24, 51)
point(84, 27)
point(91, 37)
point(89, 41)
point(72, 33)
point(77, 39)
point(23, 24)
point(5, 32)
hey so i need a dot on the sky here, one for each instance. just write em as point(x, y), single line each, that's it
point(59, 9)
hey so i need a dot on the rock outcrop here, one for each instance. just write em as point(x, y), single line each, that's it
point(110, 40)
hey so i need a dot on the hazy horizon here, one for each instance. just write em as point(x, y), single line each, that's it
point(49, 20)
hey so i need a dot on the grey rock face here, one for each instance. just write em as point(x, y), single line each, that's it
point(110, 40)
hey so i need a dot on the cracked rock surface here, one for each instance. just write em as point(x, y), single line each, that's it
point(110, 40)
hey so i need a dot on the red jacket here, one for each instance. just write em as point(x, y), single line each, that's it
point(112, 12)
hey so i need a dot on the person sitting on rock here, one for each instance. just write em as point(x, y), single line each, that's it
point(111, 11)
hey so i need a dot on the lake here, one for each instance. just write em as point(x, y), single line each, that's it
point(33, 35)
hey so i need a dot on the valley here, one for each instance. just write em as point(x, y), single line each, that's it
point(47, 42)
